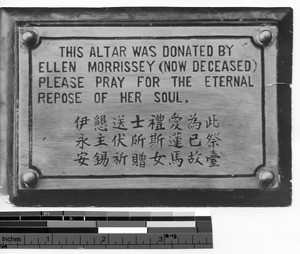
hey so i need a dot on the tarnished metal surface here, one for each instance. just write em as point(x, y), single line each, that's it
point(147, 102)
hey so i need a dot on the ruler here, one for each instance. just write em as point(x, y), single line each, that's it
point(109, 230)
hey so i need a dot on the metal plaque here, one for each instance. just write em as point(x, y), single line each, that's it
point(167, 106)
point(146, 106)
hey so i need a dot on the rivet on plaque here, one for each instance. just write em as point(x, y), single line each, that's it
point(264, 37)
point(29, 178)
point(30, 38)
point(266, 177)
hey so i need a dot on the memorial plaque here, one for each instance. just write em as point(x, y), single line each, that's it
point(142, 107)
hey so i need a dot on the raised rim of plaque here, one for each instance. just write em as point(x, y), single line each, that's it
point(264, 179)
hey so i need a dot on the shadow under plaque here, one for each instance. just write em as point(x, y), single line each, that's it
point(146, 106)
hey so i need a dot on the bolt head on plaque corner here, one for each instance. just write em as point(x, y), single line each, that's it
point(29, 178)
point(264, 37)
point(266, 177)
point(30, 38)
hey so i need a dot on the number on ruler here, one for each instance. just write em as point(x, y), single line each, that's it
point(160, 239)
point(174, 236)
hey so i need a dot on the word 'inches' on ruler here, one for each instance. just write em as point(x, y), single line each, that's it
point(56, 229)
